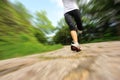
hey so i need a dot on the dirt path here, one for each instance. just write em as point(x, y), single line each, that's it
point(96, 61)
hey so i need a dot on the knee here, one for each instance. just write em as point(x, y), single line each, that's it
point(72, 27)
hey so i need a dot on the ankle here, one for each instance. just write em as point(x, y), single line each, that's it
point(76, 43)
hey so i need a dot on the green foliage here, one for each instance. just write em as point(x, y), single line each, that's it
point(103, 16)
point(13, 24)
point(43, 23)
point(63, 34)
point(23, 11)
point(40, 36)
point(18, 36)
point(8, 50)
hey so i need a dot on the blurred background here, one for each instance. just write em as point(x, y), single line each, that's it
point(24, 33)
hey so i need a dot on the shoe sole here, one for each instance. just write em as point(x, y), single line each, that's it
point(73, 48)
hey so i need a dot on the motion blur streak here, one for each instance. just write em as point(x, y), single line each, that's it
point(23, 34)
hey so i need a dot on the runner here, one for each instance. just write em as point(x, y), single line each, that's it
point(72, 14)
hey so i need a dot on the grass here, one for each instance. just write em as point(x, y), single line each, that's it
point(8, 50)
point(15, 49)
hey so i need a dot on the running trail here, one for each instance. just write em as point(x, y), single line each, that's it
point(96, 61)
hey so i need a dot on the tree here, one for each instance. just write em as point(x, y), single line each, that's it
point(43, 23)
point(100, 18)
point(63, 34)
point(14, 25)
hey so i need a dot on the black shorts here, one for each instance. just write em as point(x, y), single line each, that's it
point(73, 18)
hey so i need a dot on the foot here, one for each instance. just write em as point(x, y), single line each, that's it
point(75, 47)
point(80, 31)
